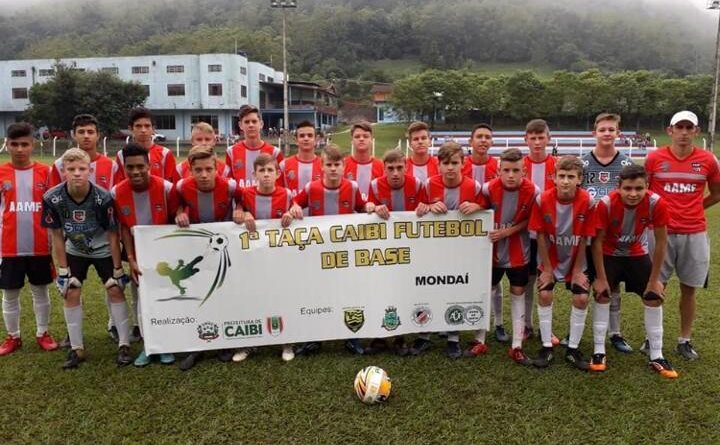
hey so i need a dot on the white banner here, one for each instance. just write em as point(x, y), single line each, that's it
point(214, 286)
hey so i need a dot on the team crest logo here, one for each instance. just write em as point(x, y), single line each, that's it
point(158, 207)
point(238, 165)
point(156, 165)
point(665, 166)
point(391, 320)
point(644, 221)
point(455, 315)
point(696, 166)
point(78, 216)
point(55, 199)
point(7, 186)
point(291, 175)
point(315, 205)
point(547, 219)
point(350, 176)
point(208, 331)
point(604, 177)
point(581, 217)
point(354, 319)
point(616, 222)
point(274, 325)
point(41, 185)
point(346, 204)
point(103, 178)
point(421, 316)
point(473, 314)
point(412, 199)
point(125, 210)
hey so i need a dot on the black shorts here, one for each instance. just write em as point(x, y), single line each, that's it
point(590, 270)
point(633, 271)
point(38, 269)
point(79, 266)
point(517, 276)
point(533, 264)
point(575, 290)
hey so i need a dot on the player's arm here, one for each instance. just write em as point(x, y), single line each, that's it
point(171, 173)
point(300, 202)
point(661, 237)
point(58, 248)
point(714, 196)
point(578, 275)
point(546, 276)
point(600, 284)
point(129, 244)
point(497, 235)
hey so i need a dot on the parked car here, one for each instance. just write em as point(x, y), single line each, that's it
point(159, 137)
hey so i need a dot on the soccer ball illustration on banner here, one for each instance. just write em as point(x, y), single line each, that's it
point(372, 385)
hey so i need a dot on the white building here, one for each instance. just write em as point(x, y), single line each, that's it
point(182, 89)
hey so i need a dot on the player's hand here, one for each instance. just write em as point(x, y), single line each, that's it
point(182, 220)
point(249, 222)
point(382, 211)
point(422, 209)
point(65, 281)
point(497, 235)
point(545, 278)
point(119, 279)
point(601, 286)
point(286, 219)
point(579, 278)
point(296, 211)
point(656, 287)
point(238, 216)
point(135, 271)
point(369, 207)
point(438, 208)
point(468, 208)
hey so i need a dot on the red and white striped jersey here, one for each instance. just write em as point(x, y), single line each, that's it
point(481, 173)
point(183, 168)
point(541, 173)
point(626, 227)
point(262, 206)
point(104, 172)
point(162, 163)
point(239, 161)
point(511, 207)
point(363, 173)
point(405, 198)
point(563, 224)
point(154, 206)
point(21, 196)
point(205, 207)
point(467, 191)
point(321, 200)
point(424, 171)
point(296, 174)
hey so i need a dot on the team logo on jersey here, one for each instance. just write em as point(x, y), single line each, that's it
point(41, 185)
point(7, 185)
point(665, 166)
point(78, 216)
point(291, 175)
point(238, 165)
point(156, 165)
point(547, 219)
point(354, 318)
point(274, 325)
point(421, 316)
point(391, 320)
point(644, 221)
point(581, 217)
point(159, 207)
point(346, 204)
point(604, 177)
point(615, 222)
point(696, 166)
point(315, 205)
point(125, 210)
point(412, 199)
point(350, 176)
point(208, 331)
point(55, 199)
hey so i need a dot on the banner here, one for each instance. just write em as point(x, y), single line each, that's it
point(215, 286)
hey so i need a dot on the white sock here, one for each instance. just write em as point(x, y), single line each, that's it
point(497, 303)
point(453, 336)
point(682, 340)
point(480, 335)
point(529, 300)
point(74, 323)
point(614, 327)
point(545, 322)
point(135, 302)
point(517, 312)
point(11, 311)
point(577, 326)
point(601, 314)
point(41, 306)
point(109, 311)
point(654, 330)
point(121, 319)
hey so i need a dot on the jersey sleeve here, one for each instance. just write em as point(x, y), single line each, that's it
point(359, 200)
point(480, 198)
point(661, 215)
point(371, 193)
point(171, 173)
point(302, 198)
point(50, 215)
point(55, 177)
point(589, 226)
point(713, 170)
point(282, 178)
point(535, 223)
point(172, 200)
point(228, 163)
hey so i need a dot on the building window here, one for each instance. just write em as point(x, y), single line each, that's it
point(19, 93)
point(214, 68)
point(211, 119)
point(176, 68)
point(262, 77)
point(271, 80)
point(215, 89)
point(146, 88)
point(243, 70)
point(110, 69)
point(46, 73)
point(140, 69)
point(243, 91)
point(18, 73)
point(176, 89)
point(165, 121)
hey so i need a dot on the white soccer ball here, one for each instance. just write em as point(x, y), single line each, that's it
point(218, 242)
point(372, 385)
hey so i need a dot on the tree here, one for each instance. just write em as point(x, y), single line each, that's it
point(70, 92)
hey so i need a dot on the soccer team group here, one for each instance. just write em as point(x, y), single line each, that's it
point(591, 223)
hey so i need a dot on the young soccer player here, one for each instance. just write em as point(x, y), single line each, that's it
point(266, 201)
point(512, 197)
point(240, 157)
point(449, 190)
point(620, 252)
point(202, 134)
point(331, 195)
point(84, 233)
point(162, 161)
point(420, 164)
point(361, 166)
point(24, 243)
point(480, 166)
point(141, 199)
point(300, 169)
point(562, 218)
point(679, 173)
point(602, 168)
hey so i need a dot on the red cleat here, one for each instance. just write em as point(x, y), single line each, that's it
point(476, 349)
point(46, 342)
point(10, 345)
point(518, 356)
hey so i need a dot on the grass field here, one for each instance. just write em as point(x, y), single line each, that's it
point(311, 400)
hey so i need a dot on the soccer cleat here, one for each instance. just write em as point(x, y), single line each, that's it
point(353, 345)
point(399, 347)
point(135, 335)
point(65, 343)
point(575, 358)
point(123, 356)
point(142, 360)
point(518, 356)
point(453, 350)
point(544, 358)
point(476, 349)
point(645, 348)
point(225, 355)
point(663, 367)
point(241, 355)
point(620, 344)
point(598, 363)
point(287, 353)
point(419, 346)
point(376, 345)
point(46, 342)
point(74, 358)
point(687, 351)
point(190, 360)
point(308, 348)
point(113, 333)
point(500, 334)
point(167, 359)
point(10, 345)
